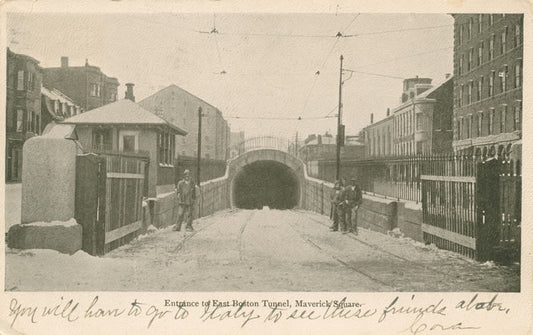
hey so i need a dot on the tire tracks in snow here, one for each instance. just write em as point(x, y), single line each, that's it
point(213, 217)
point(248, 218)
point(334, 257)
point(376, 248)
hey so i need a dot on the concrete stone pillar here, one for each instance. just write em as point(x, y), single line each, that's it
point(48, 179)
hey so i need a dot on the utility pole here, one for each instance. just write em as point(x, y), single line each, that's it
point(199, 146)
point(340, 130)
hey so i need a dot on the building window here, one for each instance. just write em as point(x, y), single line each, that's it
point(459, 129)
point(491, 84)
point(491, 19)
point(20, 121)
point(128, 141)
point(461, 65)
point(460, 35)
point(480, 124)
point(517, 75)
point(30, 122)
point(491, 121)
point(470, 27)
point(20, 80)
point(31, 82)
point(95, 90)
point(503, 46)
point(517, 117)
point(480, 89)
point(480, 53)
point(418, 121)
point(468, 126)
point(38, 124)
point(166, 145)
point(491, 47)
point(517, 35)
point(503, 118)
point(470, 59)
point(503, 79)
point(480, 23)
point(461, 93)
point(470, 89)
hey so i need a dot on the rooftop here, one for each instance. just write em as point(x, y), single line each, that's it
point(121, 112)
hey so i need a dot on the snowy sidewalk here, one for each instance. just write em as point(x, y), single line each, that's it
point(258, 250)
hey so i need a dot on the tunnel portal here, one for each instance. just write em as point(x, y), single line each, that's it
point(266, 183)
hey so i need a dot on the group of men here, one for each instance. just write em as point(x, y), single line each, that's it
point(345, 201)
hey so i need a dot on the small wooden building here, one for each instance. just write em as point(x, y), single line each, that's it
point(124, 127)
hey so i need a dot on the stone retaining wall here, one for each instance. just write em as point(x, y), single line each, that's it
point(376, 213)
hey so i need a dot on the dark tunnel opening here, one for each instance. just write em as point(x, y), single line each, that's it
point(266, 183)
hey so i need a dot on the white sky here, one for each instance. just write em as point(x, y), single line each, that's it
point(266, 76)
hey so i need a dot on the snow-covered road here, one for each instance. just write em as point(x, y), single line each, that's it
point(259, 250)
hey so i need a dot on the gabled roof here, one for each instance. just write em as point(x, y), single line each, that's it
point(121, 112)
point(174, 87)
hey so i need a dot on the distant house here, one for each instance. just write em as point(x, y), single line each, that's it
point(86, 85)
point(56, 106)
point(23, 109)
point(124, 127)
point(181, 108)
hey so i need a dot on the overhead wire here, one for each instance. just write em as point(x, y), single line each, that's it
point(317, 74)
point(373, 74)
point(299, 118)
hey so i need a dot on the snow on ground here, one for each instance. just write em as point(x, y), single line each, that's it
point(69, 223)
point(378, 198)
point(258, 250)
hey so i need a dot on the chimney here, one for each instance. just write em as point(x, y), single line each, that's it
point(371, 118)
point(388, 111)
point(448, 75)
point(129, 92)
point(64, 62)
point(86, 61)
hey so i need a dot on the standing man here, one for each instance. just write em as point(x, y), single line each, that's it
point(358, 202)
point(335, 201)
point(186, 195)
point(352, 199)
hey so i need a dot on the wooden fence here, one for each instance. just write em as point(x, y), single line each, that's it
point(109, 194)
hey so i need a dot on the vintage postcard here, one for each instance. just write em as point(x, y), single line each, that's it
point(279, 167)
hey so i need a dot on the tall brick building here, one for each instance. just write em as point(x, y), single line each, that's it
point(488, 58)
point(181, 109)
point(23, 109)
point(86, 85)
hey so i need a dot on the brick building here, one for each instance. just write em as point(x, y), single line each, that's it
point(488, 60)
point(23, 109)
point(181, 109)
point(421, 124)
point(87, 85)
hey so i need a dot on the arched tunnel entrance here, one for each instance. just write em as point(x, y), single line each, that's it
point(266, 183)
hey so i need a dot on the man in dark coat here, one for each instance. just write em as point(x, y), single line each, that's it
point(335, 201)
point(186, 195)
point(353, 198)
